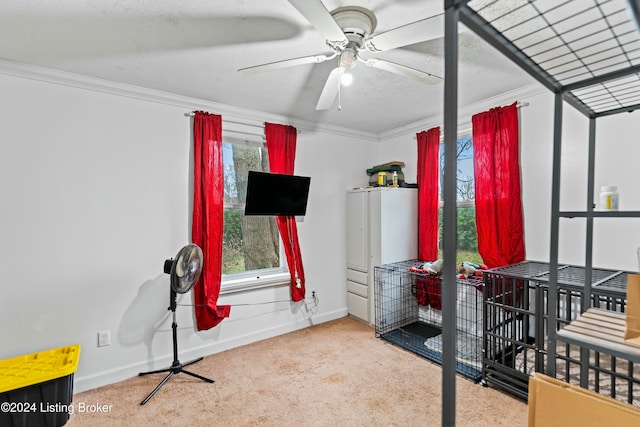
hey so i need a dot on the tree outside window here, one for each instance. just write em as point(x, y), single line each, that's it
point(250, 243)
point(467, 247)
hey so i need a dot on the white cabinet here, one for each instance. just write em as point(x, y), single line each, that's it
point(382, 227)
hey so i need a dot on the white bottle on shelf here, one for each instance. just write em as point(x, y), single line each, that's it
point(609, 198)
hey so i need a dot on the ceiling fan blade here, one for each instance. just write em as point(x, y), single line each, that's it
point(403, 70)
point(314, 59)
point(321, 19)
point(416, 32)
point(330, 89)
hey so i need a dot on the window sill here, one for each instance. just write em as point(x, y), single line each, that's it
point(230, 286)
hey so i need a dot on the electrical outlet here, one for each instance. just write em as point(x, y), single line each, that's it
point(104, 338)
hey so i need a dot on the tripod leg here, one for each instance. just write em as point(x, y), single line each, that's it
point(191, 362)
point(157, 388)
point(197, 376)
point(154, 372)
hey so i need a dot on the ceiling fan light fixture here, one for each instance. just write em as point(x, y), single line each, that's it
point(346, 79)
point(350, 30)
point(348, 57)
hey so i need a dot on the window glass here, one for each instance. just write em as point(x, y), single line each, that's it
point(467, 249)
point(251, 244)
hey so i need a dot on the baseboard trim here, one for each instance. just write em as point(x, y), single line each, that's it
point(111, 376)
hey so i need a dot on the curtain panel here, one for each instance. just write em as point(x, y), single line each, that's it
point(428, 170)
point(499, 220)
point(208, 217)
point(281, 149)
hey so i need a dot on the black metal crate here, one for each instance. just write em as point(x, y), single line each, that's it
point(515, 326)
point(509, 330)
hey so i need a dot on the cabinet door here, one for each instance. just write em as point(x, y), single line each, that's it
point(357, 235)
point(398, 225)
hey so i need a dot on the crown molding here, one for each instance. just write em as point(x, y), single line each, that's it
point(465, 113)
point(236, 114)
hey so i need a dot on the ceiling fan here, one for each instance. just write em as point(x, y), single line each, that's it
point(348, 31)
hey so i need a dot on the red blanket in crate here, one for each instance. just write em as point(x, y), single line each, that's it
point(428, 290)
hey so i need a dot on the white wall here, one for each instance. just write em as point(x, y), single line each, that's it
point(96, 182)
point(400, 143)
point(96, 190)
point(615, 240)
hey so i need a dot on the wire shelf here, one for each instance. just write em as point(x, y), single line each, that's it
point(612, 281)
point(591, 47)
point(523, 270)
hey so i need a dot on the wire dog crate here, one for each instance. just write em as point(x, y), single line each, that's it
point(408, 314)
point(515, 329)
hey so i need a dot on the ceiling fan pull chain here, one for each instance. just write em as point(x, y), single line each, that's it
point(339, 97)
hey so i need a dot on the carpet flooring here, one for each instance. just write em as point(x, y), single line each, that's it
point(332, 374)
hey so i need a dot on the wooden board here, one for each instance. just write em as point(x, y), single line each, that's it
point(600, 330)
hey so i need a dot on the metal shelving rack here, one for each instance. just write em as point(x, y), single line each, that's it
point(587, 53)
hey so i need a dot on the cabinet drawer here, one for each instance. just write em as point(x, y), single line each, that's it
point(357, 276)
point(358, 306)
point(358, 289)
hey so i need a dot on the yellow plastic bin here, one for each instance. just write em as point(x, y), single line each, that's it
point(37, 389)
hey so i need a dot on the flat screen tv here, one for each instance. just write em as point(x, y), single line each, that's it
point(276, 194)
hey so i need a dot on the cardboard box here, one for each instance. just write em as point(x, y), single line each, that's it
point(556, 403)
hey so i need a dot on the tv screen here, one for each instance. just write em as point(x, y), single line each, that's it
point(276, 194)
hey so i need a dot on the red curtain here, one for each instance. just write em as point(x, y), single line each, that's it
point(208, 217)
point(497, 186)
point(428, 167)
point(281, 147)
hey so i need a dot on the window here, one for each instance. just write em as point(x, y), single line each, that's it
point(467, 249)
point(251, 247)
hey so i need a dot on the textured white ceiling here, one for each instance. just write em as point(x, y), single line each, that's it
point(195, 47)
